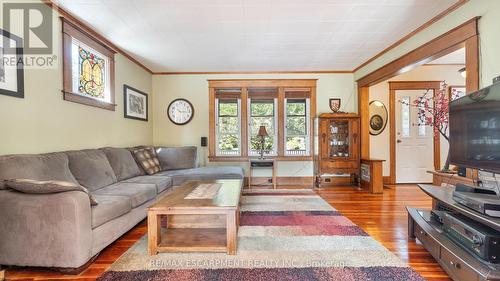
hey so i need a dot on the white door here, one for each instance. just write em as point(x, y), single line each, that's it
point(414, 143)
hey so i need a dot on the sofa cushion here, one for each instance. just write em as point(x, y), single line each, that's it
point(122, 162)
point(46, 187)
point(110, 207)
point(50, 166)
point(131, 149)
point(174, 158)
point(91, 168)
point(160, 182)
point(138, 193)
point(203, 173)
point(147, 159)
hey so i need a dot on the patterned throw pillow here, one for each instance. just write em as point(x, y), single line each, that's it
point(45, 187)
point(146, 157)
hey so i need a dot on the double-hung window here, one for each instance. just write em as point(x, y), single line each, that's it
point(228, 104)
point(240, 108)
point(262, 112)
point(297, 127)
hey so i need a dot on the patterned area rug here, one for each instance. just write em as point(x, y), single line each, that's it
point(283, 235)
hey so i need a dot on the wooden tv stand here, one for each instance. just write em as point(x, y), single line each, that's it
point(457, 262)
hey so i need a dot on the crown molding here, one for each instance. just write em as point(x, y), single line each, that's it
point(68, 16)
point(443, 14)
point(256, 72)
point(91, 31)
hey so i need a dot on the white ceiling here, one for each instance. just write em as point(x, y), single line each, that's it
point(457, 57)
point(254, 35)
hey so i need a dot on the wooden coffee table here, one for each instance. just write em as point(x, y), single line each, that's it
point(196, 225)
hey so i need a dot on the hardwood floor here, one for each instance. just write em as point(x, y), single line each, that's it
point(383, 216)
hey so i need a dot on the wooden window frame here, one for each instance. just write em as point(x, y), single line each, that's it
point(238, 116)
point(307, 104)
point(287, 88)
point(274, 101)
point(71, 30)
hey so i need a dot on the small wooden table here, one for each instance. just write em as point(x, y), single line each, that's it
point(259, 164)
point(371, 175)
point(196, 225)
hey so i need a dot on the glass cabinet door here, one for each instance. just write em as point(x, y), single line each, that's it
point(339, 145)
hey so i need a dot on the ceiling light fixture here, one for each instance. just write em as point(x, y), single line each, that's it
point(463, 72)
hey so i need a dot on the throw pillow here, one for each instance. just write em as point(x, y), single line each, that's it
point(147, 159)
point(45, 187)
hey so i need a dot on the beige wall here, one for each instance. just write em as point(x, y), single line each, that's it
point(195, 88)
point(44, 122)
point(489, 25)
point(379, 145)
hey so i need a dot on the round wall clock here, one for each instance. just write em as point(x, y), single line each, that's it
point(180, 111)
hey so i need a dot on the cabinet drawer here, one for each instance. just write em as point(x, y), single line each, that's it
point(429, 243)
point(340, 164)
point(457, 268)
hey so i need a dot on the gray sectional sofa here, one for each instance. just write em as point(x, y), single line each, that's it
point(63, 230)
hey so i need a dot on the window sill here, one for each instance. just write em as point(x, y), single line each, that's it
point(88, 101)
point(245, 159)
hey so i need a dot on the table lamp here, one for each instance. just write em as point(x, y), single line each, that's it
point(262, 134)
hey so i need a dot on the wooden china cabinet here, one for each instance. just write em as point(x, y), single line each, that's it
point(339, 149)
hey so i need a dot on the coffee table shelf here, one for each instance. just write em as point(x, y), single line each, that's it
point(193, 240)
point(196, 225)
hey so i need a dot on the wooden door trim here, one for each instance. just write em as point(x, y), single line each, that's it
point(409, 85)
point(446, 43)
point(465, 35)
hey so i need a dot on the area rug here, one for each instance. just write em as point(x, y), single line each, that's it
point(283, 235)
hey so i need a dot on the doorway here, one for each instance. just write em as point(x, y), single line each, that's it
point(414, 148)
point(463, 36)
point(414, 140)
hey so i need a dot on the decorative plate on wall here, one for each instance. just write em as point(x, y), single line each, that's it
point(378, 117)
point(180, 111)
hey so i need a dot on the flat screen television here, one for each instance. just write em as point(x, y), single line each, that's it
point(475, 130)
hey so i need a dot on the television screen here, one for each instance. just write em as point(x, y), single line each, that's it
point(475, 130)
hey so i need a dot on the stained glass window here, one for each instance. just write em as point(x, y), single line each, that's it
point(89, 72)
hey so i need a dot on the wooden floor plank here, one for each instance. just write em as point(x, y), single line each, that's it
point(382, 216)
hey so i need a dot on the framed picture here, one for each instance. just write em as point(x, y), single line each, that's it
point(456, 92)
point(11, 72)
point(334, 105)
point(135, 103)
point(378, 117)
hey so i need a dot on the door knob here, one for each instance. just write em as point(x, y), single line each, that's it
point(399, 141)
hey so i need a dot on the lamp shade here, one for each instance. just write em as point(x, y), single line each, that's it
point(262, 132)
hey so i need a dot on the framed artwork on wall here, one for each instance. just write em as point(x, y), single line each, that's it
point(11, 66)
point(378, 117)
point(456, 92)
point(135, 103)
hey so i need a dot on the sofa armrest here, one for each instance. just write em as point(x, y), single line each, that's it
point(175, 158)
point(49, 230)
